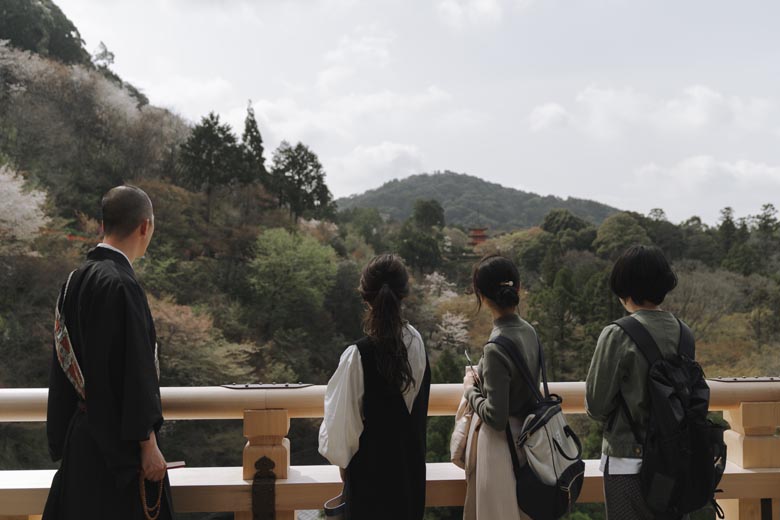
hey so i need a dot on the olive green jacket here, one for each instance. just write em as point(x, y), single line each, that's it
point(504, 392)
point(619, 368)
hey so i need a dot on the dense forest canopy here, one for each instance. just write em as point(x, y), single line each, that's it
point(253, 270)
point(469, 201)
point(43, 28)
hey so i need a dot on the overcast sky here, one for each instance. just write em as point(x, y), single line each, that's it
point(635, 103)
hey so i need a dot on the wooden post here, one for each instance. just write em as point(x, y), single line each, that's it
point(753, 442)
point(265, 431)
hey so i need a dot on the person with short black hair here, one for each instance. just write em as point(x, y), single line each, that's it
point(376, 405)
point(104, 410)
point(498, 394)
point(642, 274)
point(616, 385)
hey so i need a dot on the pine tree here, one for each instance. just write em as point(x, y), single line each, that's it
point(727, 231)
point(298, 181)
point(253, 149)
point(211, 157)
point(552, 312)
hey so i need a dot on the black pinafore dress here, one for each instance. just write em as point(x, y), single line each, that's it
point(386, 477)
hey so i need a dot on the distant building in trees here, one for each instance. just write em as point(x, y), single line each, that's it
point(477, 236)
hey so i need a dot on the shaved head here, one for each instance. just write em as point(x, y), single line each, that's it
point(124, 208)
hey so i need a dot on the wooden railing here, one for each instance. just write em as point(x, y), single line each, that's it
point(752, 407)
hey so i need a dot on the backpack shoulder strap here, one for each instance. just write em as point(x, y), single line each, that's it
point(641, 337)
point(649, 349)
point(510, 349)
point(687, 341)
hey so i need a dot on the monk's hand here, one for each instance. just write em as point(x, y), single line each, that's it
point(152, 461)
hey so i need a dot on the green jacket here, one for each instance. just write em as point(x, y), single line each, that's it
point(618, 367)
point(504, 392)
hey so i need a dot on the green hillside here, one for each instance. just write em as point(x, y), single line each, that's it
point(472, 202)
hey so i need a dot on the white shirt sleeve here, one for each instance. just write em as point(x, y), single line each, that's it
point(343, 421)
point(417, 360)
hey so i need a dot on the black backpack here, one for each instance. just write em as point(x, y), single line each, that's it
point(684, 455)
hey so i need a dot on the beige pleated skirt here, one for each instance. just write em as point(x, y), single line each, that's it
point(490, 479)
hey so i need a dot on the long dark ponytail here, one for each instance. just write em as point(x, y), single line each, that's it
point(383, 284)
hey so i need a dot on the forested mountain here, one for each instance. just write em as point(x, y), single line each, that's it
point(469, 201)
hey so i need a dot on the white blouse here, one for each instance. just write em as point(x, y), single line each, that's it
point(343, 422)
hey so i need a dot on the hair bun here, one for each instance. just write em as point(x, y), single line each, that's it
point(496, 278)
point(507, 296)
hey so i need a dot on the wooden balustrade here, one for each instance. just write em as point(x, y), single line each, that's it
point(214, 402)
point(752, 407)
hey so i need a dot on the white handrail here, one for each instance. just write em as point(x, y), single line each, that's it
point(213, 402)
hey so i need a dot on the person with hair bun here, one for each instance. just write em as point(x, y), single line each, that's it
point(376, 405)
point(616, 387)
point(498, 394)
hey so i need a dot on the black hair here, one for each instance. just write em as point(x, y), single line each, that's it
point(383, 284)
point(644, 274)
point(123, 209)
point(496, 278)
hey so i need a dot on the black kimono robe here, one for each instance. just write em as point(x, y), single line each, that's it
point(113, 336)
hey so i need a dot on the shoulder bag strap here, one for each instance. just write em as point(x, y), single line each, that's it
point(510, 349)
point(64, 293)
point(66, 356)
point(513, 451)
point(542, 365)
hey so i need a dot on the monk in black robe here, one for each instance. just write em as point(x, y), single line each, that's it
point(106, 431)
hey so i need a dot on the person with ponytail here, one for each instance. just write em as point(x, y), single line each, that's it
point(376, 405)
point(498, 395)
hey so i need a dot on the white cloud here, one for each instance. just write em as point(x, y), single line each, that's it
point(340, 118)
point(548, 115)
point(194, 96)
point(458, 13)
point(334, 76)
point(460, 120)
point(703, 185)
point(369, 166)
point(605, 113)
point(461, 13)
point(366, 44)
point(366, 48)
point(700, 106)
point(388, 100)
point(286, 118)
